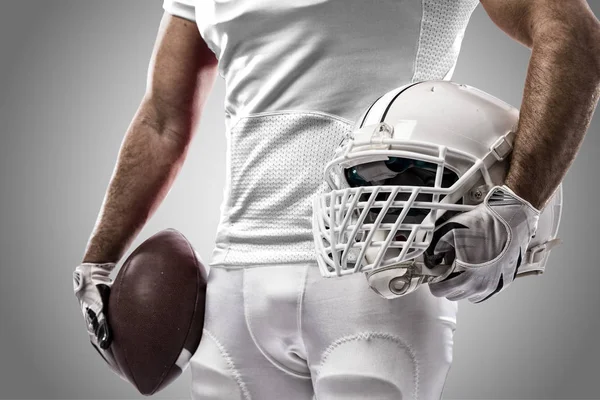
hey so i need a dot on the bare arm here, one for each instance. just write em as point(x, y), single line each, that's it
point(561, 89)
point(181, 74)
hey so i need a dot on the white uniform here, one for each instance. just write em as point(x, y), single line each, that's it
point(297, 74)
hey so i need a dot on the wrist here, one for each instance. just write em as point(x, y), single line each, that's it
point(98, 260)
point(98, 254)
point(519, 197)
point(92, 266)
point(525, 193)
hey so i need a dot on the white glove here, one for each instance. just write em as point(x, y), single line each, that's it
point(486, 246)
point(91, 283)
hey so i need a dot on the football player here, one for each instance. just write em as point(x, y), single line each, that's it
point(298, 74)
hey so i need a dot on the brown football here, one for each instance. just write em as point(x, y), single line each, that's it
point(156, 310)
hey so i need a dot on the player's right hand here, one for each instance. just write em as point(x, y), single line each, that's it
point(92, 283)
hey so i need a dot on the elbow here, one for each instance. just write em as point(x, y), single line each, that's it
point(174, 125)
point(590, 49)
point(577, 39)
point(595, 47)
point(586, 38)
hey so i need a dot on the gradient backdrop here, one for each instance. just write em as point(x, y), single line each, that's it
point(72, 74)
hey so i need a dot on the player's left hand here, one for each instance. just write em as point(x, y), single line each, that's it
point(486, 246)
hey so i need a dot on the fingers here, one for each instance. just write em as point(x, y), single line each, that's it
point(98, 327)
point(91, 283)
point(451, 286)
point(481, 297)
point(103, 334)
point(92, 320)
point(77, 280)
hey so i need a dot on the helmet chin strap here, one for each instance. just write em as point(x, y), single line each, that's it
point(394, 281)
point(403, 278)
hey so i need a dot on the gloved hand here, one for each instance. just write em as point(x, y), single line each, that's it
point(92, 283)
point(486, 245)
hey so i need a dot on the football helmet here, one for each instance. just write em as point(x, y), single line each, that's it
point(417, 156)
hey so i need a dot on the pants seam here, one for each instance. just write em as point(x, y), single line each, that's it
point(232, 368)
point(377, 335)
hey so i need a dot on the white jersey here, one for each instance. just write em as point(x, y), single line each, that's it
point(297, 75)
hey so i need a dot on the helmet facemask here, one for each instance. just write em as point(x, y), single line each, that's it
point(387, 196)
point(419, 155)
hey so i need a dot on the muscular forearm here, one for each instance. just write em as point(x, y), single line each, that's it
point(151, 155)
point(561, 93)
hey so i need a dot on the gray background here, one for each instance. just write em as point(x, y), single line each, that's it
point(72, 74)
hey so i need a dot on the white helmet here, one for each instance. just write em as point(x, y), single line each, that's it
point(419, 155)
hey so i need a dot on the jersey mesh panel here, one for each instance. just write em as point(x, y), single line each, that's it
point(277, 163)
point(442, 30)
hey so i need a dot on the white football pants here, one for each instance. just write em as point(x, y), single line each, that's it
point(285, 333)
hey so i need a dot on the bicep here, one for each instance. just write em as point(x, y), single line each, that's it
point(523, 20)
point(511, 16)
point(182, 69)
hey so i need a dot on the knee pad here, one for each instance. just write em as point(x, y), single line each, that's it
point(368, 365)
